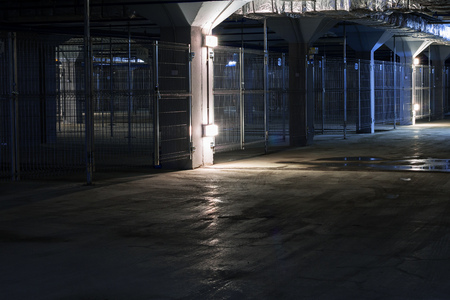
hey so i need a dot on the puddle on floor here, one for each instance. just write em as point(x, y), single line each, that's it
point(375, 163)
point(357, 158)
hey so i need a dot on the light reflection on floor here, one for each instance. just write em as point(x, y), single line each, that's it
point(408, 164)
point(375, 163)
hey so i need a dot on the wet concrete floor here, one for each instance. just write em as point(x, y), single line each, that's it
point(319, 222)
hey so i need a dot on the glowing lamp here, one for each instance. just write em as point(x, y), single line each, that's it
point(416, 61)
point(210, 130)
point(416, 107)
point(211, 41)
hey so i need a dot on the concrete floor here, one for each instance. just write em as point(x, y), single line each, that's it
point(363, 218)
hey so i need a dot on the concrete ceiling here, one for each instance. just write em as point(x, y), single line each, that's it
point(145, 18)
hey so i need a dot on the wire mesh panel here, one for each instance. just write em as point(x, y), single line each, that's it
point(52, 102)
point(364, 108)
point(421, 91)
point(354, 101)
point(446, 90)
point(227, 114)
point(278, 79)
point(406, 94)
point(123, 97)
point(254, 96)
point(319, 96)
point(121, 94)
point(174, 85)
point(384, 93)
point(334, 96)
point(45, 146)
point(239, 106)
point(5, 109)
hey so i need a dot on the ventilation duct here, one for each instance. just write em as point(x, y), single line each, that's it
point(402, 16)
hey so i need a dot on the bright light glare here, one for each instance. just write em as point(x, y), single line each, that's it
point(211, 41)
point(416, 61)
point(416, 107)
point(231, 63)
point(210, 130)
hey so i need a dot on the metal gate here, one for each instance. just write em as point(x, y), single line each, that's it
point(244, 109)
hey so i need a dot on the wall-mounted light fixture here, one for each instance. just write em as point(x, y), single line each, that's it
point(210, 130)
point(211, 41)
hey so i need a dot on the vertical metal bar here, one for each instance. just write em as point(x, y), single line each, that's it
point(241, 96)
point(89, 124)
point(372, 92)
point(283, 83)
point(359, 94)
point(190, 102)
point(429, 83)
point(395, 85)
point(444, 84)
point(422, 90)
point(323, 94)
point(100, 76)
point(266, 74)
point(58, 86)
point(383, 91)
point(130, 103)
point(345, 83)
point(208, 95)
point(111, 88)
point(13, 107)
point(413, 95)
point(156, 134)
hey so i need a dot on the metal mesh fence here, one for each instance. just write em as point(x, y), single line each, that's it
point(227, 97)
point(43, 144)
point(5, 109)
point(446, 90)
point(239, 108)
point(141, 100)
point(43, 110)
point(174, 102)
point(329, 96)
point(278, 84)
point(122, 99)
point(253, 79)
point(423, 86)
point(396, 87)
point(385, 86)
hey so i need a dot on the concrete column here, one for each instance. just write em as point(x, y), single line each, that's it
point(201, 88)
point(300, 33)
point(300, 133)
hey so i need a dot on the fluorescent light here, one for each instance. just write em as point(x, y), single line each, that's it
point(210, 130)
point(211, 41)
